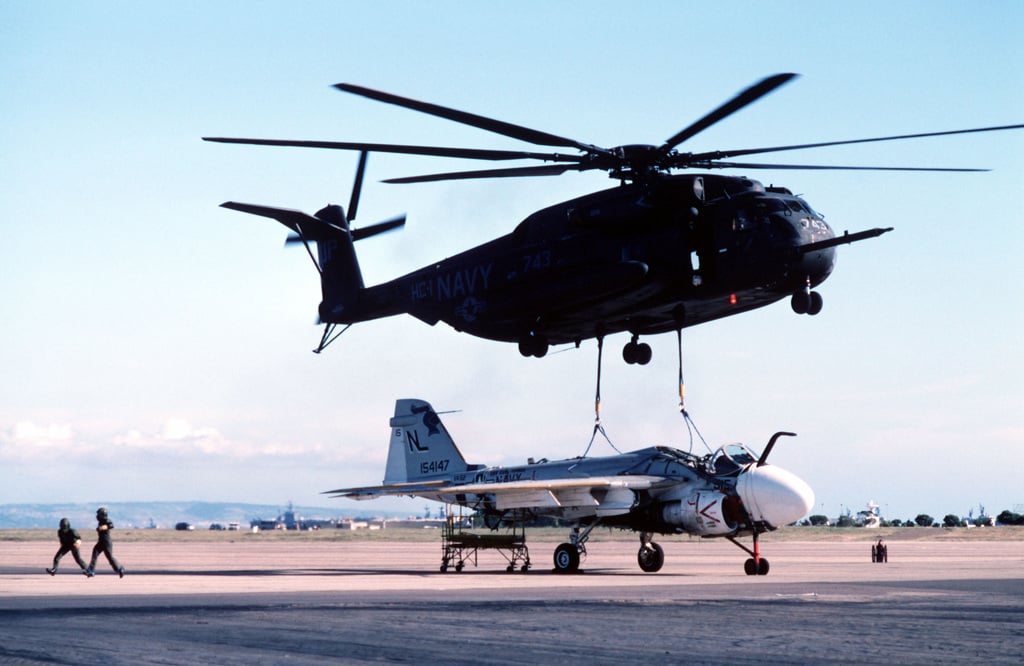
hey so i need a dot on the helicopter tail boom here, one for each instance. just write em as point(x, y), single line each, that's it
point(341, 280)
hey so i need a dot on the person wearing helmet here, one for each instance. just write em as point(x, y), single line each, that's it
point(103, 544)
point(69, 543)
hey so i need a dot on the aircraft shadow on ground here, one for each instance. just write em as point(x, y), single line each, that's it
point(419, 573)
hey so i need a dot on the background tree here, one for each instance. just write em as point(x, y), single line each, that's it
point(949, 520)
point(924, 520)
point(1007, 517)
point(818, 519)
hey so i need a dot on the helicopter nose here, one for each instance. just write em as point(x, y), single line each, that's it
point(818, 265)
point(774, 496)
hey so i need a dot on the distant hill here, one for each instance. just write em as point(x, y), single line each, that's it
point(166, 514)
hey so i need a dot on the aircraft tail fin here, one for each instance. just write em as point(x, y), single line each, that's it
point(421, 448)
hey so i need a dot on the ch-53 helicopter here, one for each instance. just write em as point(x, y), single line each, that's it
point(658, 490)
point(657, 253)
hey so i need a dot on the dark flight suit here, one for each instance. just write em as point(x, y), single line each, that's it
point(104, 545)
point(69, 540)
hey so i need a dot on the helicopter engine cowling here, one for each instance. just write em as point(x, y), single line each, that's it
point(704, 513)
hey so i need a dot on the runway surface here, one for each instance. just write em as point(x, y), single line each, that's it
point(261, 601)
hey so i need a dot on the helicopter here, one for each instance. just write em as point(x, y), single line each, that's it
point(660, 251)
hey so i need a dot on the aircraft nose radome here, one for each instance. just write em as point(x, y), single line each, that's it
point(774, 496)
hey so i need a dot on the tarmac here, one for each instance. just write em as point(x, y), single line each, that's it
point(255, 601)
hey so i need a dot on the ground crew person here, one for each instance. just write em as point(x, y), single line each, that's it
point(880, 552)
point(103, 544)
point(69, 543)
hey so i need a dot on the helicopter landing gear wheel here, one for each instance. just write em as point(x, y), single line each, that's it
point(800, 303)
point(650, 557)
point(809, 303)
point(815, 304)
point(567, 558)
point(637, 353)
point(533, 345)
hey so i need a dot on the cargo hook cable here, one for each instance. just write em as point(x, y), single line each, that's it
point(598, 428)
point(691, 427)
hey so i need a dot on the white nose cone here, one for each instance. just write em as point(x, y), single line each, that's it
point(774, 496)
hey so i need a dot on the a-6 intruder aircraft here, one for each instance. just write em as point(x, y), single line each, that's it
point(729, 493)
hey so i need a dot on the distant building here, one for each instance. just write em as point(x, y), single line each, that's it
point(260, 525)
point(869, 517)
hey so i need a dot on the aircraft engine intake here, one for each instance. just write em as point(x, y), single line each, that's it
point(706, 513)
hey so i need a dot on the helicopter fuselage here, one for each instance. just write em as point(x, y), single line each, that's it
point(646, 257)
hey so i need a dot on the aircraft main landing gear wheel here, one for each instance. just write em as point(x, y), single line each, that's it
point(567, 558)
point(753, 567)
point(638, 353)
point(650, 557)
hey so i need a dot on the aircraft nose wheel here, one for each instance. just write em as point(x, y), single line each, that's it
point(809, 303)
point(754, 567)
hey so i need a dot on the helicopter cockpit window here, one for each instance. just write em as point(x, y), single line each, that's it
point(732, 458)
point(807, 207)
point(768, 206)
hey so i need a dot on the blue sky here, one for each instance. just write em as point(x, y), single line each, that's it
point(157, 347)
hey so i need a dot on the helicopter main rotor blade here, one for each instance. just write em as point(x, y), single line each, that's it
point(482, 122)
point(357, 187)
point(514, 172)
point(432, 151)
point(715, 164)
point(744, 98)
point(778, 149)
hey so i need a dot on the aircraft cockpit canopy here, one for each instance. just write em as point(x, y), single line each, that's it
point(730, 459)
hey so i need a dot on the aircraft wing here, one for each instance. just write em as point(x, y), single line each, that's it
point(373, 492)
point(632, 481)
point(607, 495)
